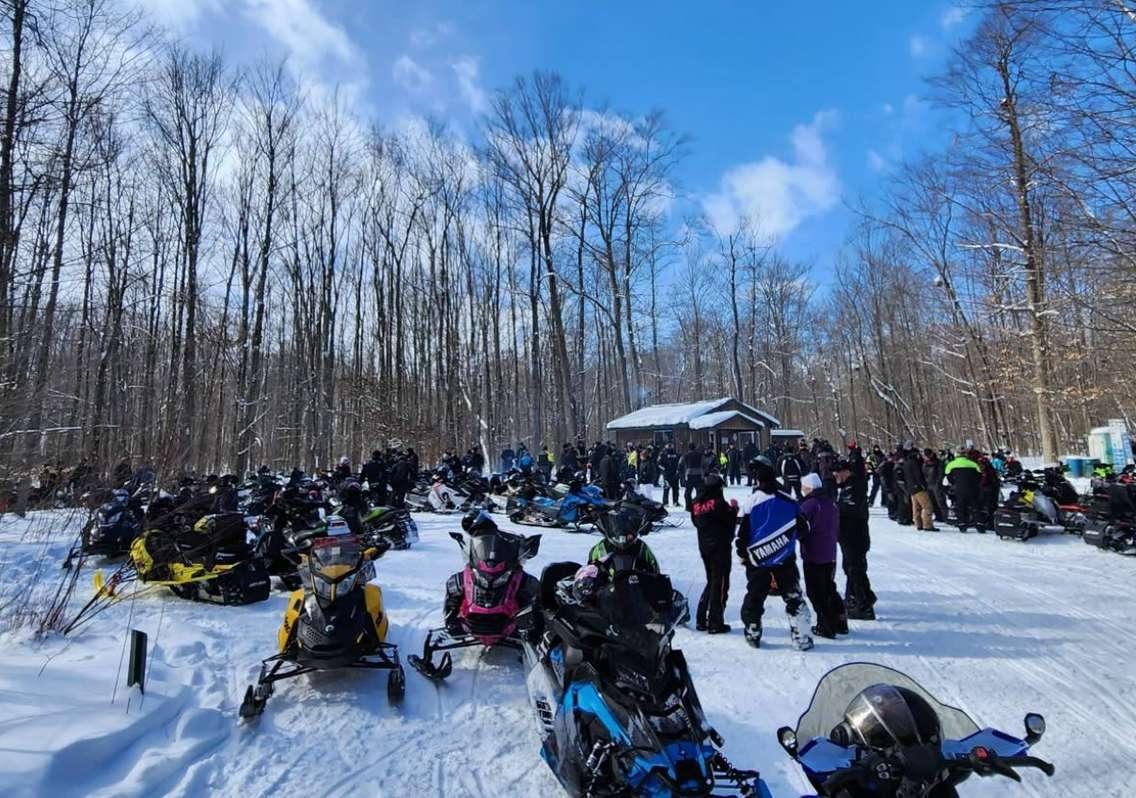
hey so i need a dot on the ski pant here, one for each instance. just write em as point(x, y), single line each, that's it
point(712, 604)
point(735, 475)
point(876, 490)
point(902, 506)
point(855, 542)
point(789, 583)
point(670, 490)
point(939, 502)
point(820, 586)
point(964, 509)
point(693, 483)
point(921, 510)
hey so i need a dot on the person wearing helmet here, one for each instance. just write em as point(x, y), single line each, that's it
point(622, 547)
point(715, 519)
point(342, 469)
point(766, 544)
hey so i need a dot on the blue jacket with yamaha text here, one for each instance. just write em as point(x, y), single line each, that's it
point(770, 525)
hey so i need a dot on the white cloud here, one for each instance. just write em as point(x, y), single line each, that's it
point(779, 194)
point(466, 69)
point(178, 14)
point(312, 40)
point(422, 38)
point(953, 16)
point(409, 74)
point(917, 45)
point(876, 161)
point(888, 109)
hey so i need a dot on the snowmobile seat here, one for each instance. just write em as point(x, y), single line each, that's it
point(550, 577)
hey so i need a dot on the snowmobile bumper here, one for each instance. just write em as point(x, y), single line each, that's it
point(441, 640)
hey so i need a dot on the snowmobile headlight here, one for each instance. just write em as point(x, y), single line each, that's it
point(329, 590)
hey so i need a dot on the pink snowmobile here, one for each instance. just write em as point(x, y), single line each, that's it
point(490, 602)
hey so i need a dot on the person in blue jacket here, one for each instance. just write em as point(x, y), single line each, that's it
point(766, 543)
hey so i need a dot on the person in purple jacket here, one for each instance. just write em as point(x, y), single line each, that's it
point(818, 550)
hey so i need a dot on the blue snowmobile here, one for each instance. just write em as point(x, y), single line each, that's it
point(615, 708)
point(578, 507)
point(873, 732)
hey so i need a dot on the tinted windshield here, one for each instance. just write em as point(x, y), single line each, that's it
point(494, 548)
point(637, 600)
point(839, 686)
point(333, 557)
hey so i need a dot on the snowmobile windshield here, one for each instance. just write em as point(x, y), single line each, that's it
point(334, 565)
point(497, 550)
point(641, 606)
point(837, 690)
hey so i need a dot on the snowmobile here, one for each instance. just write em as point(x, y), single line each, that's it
point(211, 561)
point(335, 621)
point(490, 602)
point(114, 526)
point(294, 517)
point(1110, 520)
point(653, 512)
point(396, 527)
point(615, 708)
point(873, 731)
point(1042, 502)
point(580, 506)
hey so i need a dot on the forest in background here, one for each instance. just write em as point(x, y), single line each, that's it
point(208, 265)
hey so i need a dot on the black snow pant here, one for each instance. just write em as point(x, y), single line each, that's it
point(903, 513)
point(964, 509)
point(939, 503)
point(716, 560)
point(820, 586)
point(757, 590)
point(875, 491)
point(693, 483)
point(855, 542)
point(670, 490)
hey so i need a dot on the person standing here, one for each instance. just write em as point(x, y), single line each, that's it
point(610, 472)
point(767, 545)
point(791, 472)
point(544, 462)
point(875, 463)
point(715, 519)
point(818, 551)
point(375, 475)
point(568, 459)
point(670, 462)
point(692, 473)
point(855, 539)
point(921, 510)
point(735, 455)
point(508, 458)
point(933, 474)
point(964, 474)
point(749, 451)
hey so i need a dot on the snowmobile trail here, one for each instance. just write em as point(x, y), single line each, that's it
point(995, 627)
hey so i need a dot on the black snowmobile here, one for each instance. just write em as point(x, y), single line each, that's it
point(653, 512)
point(114, 526)
point(490, 602)
point(337, 620)
point(1110, 520)
point(1041, 501)
point(294, 517)
point(615, 707)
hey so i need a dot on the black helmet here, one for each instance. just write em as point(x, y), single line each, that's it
point(712, 481)
point(762, 467)
point(621, 528)
point(885, 717)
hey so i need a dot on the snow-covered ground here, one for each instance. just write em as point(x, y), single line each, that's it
point(997, 628)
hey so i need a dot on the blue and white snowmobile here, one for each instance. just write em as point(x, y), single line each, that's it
point(873, 732)
point(615, 708)
point(579, 507)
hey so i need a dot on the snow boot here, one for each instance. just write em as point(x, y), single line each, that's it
point(700, 626)
point(719, 629)
point(825, 633)
point(753, 634)
point(842, 625)
point(862, 613)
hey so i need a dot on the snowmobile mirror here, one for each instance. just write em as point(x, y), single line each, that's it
point(788, 739)
point(1035, 727)
point(459, 537)
point(531, 547)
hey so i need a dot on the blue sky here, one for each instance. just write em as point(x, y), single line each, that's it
point(793, 111)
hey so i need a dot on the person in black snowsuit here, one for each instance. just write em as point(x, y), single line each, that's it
point(568, 459)
point(715, 519)
point(374, 473)
point(791, 472)
point(609, 473)
point(933, 476)
point(691, 474)
point(594, 459)
point(902, 495)
point(769, 553)
point(670, 461)
point(402, 477)
point(749, 452)
point(855, 539)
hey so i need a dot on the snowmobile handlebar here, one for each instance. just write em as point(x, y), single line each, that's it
point(895, 768)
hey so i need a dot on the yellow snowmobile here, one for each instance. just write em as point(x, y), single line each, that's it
point(335, 621)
